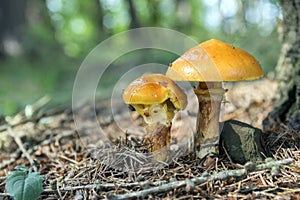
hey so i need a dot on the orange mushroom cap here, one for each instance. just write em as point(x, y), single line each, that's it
point(154, 89)
point(214, 60)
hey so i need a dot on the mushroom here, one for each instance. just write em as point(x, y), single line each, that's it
point(156, 97)
point(211, 63)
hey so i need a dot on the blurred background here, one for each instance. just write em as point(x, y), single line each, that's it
point(43, 43)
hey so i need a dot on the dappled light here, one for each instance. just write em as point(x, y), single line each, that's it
point(73, 28)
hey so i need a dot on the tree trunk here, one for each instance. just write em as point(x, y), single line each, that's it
point(99, 16)
point(154, 11)
point(12, 22)
point(134, 23)
point(287, 100)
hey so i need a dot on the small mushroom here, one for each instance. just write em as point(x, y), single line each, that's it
point(211, 63)
point(156, 97)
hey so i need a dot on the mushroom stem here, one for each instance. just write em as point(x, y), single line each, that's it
point(158, 140)
point(209, 95)
point(158, 118)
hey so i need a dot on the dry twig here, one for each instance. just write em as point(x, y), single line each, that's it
point(105, 186)
point(250, 167)
point(19, 142)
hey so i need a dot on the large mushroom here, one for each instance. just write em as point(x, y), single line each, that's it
point(211, 63)
point(156, 97)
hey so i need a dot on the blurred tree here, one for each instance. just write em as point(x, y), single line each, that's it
point(12, 22)
point(54, 36)
point(154, 10)
point(134, 23)
point(24, 24)
point(287, 103)
point(39, 40)
point(99, 16)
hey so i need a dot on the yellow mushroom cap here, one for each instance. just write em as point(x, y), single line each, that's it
point(214, 60)
point(154, 89)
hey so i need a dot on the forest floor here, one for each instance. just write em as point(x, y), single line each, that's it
point(86, 162)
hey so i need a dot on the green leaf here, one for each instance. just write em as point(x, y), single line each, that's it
point(24, 185)
point(21, 168)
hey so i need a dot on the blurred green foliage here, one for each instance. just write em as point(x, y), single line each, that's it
point(58, 34)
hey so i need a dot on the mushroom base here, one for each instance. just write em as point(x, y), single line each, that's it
point(158, 118)
point(208, 135)
point(158, 141)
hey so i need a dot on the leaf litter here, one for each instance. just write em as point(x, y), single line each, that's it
point(81, 164)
